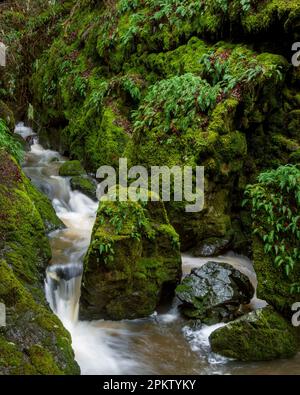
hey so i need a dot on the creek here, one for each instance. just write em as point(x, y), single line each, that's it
point(163, 343)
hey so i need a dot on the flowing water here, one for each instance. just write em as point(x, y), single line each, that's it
point(164, 343)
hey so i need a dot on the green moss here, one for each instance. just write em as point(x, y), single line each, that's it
point(133, 254)
point(43, 361)
point(27, 254)
point(11, 359)
point(261, 335)
point(84, 185)
point(44, 207)
point(106, 143)
point(71, 168)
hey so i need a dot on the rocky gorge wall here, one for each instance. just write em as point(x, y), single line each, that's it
point(171, 83)
point(123, 77)
point(33, 340)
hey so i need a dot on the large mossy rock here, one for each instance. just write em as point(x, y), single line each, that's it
point(34, 340)
point(85, 185)
point(257, 336)
point(71, 168)
point(44, 207)
point(214, 292)
point(133, 261)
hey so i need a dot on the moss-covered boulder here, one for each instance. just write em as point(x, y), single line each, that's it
point(133, 261)
point(214, 292)
point(44, 207)
point(261, 335)
point(34, 340)
point(205, 118)
point(71, 168)
point(85, 185)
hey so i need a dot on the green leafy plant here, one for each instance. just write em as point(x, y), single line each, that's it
point(275, 205)
point(175, 102)
point(9, 144)
point(230, 68)
point(246, 5)
point(127, 218)
point(80, 85)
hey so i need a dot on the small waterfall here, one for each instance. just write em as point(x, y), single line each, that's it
point(62, 287)
point(24, 131)
point(77, 211)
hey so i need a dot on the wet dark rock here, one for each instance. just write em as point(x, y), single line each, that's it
point(214, 293)
point(64, 272)
point(213, 246)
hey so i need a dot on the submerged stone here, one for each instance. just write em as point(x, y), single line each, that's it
point(71, 168)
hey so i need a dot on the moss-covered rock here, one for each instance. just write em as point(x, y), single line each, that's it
point(34, 340)
point(28, 255)
point(132, 263)
point(85, 185)
point(261, 335)
point(71, 168)
point(44, 207)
